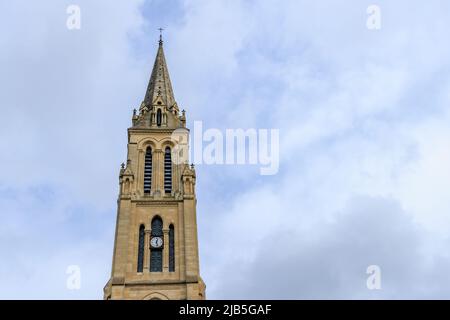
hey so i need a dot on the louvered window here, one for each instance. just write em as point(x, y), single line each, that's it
point(167, 171)
point(148, 171)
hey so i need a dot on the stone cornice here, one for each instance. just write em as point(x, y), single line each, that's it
point(143, 130)
point(156, 202)
point(146, 282)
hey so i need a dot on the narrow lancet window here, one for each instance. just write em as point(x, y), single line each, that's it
point(158, 118)
point(171, 248)
point(140, 261)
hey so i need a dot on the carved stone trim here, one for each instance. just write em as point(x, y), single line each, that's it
point(157, 203)
point(118, 280)
point(150, 130)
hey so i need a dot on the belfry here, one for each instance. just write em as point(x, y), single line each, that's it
point(156, 247)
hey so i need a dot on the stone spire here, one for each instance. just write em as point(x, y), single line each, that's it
point(159, 84)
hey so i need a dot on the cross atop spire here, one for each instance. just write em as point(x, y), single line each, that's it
point(160, 35)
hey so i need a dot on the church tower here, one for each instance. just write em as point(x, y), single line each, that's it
point(156, 247)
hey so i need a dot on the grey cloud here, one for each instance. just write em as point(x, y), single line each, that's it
point(369, 231)
point(66, 101)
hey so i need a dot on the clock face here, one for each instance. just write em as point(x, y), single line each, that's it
point(156, 242)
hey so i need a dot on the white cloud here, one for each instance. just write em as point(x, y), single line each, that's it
point(332, 264)
point(363, 120)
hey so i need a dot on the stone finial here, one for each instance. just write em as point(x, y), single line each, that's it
point(183, 118)
point(135, 117)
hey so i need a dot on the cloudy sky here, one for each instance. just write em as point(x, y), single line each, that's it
point(364, 122)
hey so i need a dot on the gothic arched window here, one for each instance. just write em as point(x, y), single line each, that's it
point(158, 118)
point(167, 171)
point(156, 256)
point(140, 261)
point(171, 248)
point(148, 170)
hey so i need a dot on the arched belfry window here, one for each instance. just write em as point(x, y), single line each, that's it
point(171, 248)
point(140, 261)
point(148, 170)
point(158, 118)
point(156, 256)
point(167, 171)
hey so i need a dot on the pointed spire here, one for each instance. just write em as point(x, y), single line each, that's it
point(159, 84)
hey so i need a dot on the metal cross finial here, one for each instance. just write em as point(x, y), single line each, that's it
point(160, 35)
